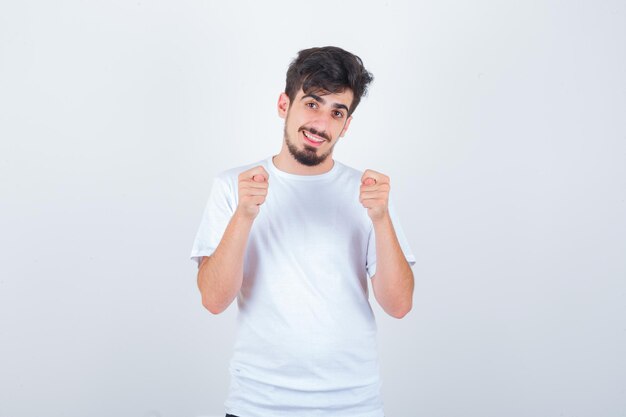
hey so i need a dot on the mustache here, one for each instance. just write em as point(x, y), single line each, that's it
point(315, 132)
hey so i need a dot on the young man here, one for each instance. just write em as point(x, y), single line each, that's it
point(294, 238)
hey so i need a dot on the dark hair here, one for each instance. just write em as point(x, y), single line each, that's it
point(329, 69)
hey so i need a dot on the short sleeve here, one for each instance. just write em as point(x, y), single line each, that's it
point(217, 213)
point(404, 244)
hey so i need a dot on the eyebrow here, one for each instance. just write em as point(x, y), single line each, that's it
point(323, 101)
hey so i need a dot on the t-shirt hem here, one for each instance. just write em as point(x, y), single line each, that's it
point(243, 413)
point(371, 269)
point(197, 256)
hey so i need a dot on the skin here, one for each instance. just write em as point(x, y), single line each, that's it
point(321, 116)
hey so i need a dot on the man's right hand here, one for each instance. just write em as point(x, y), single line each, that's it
point(253, 187)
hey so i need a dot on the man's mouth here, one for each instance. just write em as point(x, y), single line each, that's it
point(312, 139)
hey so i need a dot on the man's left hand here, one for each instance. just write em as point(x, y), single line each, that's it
point(374, 194)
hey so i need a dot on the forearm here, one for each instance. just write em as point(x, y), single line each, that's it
point(393, 281)
point(220, 276)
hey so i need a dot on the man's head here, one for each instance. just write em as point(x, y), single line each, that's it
point(324, 87)
point(328, 70)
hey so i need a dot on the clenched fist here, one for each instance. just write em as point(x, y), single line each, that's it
point(253, 187)
point(374, 194)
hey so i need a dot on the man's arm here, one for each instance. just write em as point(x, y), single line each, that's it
point(220, 275)
point(393, 281)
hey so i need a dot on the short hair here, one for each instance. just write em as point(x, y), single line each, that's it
point(329, 69)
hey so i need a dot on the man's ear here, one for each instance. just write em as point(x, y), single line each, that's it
point(283, 105)
point(345, 127)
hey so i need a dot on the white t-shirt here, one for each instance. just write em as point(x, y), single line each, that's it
point(306, 343)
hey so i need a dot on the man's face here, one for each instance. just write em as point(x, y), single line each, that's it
point(313, 123)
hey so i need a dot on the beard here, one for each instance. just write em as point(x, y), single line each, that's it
point(308, 155)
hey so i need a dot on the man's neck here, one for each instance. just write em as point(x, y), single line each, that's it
point(285, 162)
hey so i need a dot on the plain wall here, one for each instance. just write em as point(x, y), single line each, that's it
point(501, 125)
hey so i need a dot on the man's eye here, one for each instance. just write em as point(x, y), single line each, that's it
point(338, 114)
point(311, 105)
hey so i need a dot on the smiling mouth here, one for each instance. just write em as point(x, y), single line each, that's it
point(313, 139)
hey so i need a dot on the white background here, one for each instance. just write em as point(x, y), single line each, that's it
point(501, 125)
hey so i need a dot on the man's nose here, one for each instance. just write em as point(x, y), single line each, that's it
point(322, 122)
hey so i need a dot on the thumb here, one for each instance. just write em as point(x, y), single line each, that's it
point(258, 178)
point(369, 181)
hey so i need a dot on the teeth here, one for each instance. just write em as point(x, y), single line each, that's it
point(312, 138)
